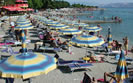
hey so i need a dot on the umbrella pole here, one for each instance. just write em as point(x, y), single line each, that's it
point(24, 49)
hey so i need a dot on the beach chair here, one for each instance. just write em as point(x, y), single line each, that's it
point(79, 66)
point(9, 50)
point(66, 63)
point(46, 48)
point(3, 57)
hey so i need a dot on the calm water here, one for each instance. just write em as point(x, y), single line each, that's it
point(119, 30)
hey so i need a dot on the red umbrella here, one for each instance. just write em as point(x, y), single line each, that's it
point(19, 0)
point(30, 9)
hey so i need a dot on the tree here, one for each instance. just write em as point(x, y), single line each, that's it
point(37, 4)
point(30, 3)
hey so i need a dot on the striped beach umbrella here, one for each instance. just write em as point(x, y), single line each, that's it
point(58, 26)
point(81, 24)
point(23, 23)
point(22, 26)
point(86, 40)
point(52, 23)
point(22, 19)
point(121, 70)
point(69, 22)
point(109, 39)
point(69, 31)
point(27, 65)
point(92, 29)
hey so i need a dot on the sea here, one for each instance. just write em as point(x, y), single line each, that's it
point(119, 30)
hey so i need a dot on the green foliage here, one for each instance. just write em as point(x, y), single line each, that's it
point(55, 4)
point(37, 4)
point(82, 6)
point(30, 3)
point(9, 2)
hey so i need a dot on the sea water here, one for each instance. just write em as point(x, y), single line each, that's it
point(119, 30)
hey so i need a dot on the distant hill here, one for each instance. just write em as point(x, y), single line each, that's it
point(118, 5)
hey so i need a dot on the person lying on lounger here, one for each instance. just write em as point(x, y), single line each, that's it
point(95, 57)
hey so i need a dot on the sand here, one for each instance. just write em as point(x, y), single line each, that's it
point(63, 74)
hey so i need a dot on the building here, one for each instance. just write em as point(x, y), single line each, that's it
point(20, 6)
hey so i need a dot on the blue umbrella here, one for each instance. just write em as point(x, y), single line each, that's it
point(52, 23)
point(81, 24)
point(70, 31)
point(93, 29)
point(23, 23)
point(58, 26)
point(26, 65)
point(86, 40)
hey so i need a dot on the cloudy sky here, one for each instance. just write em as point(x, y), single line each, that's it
point(97, 2)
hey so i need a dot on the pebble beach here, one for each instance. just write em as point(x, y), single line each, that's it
point(63, 74)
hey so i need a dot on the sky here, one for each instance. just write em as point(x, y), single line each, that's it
point(98, 2)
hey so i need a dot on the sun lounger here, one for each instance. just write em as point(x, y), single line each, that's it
point(4, 57)
point(79, 66)
point(9, 50)
point(113, 53)
point(66, 63)
point(44, 48)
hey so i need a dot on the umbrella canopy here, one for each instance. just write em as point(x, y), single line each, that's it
point(26, 65)
point(81, 24)
point(58, 26)
point(121, 70)
point(22, 19)
point(70, 31)
point(93, 29)
point(86, 40)
point(52, 23)
point(23, 23)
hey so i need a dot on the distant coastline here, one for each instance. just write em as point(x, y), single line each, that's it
point(118, 5)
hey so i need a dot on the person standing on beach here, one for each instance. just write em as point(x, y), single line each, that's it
point(12, 24)
point(98, 32)
point(126, 41)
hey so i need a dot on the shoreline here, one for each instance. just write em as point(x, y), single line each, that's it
point(63, 75)
point(98, 21)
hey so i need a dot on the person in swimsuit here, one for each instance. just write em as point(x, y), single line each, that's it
point(126, 41)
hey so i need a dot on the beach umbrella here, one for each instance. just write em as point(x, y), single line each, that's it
point(52, 23)
point(69, 22)
point(23, 26)
point(121, 70)
point(58, 26)
point(22, 19)
point(109, 39)
point(92, 29)
point(23, 23)
point(26, 65)
point(69, 31)
point(85, 40)
point(81, 24)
